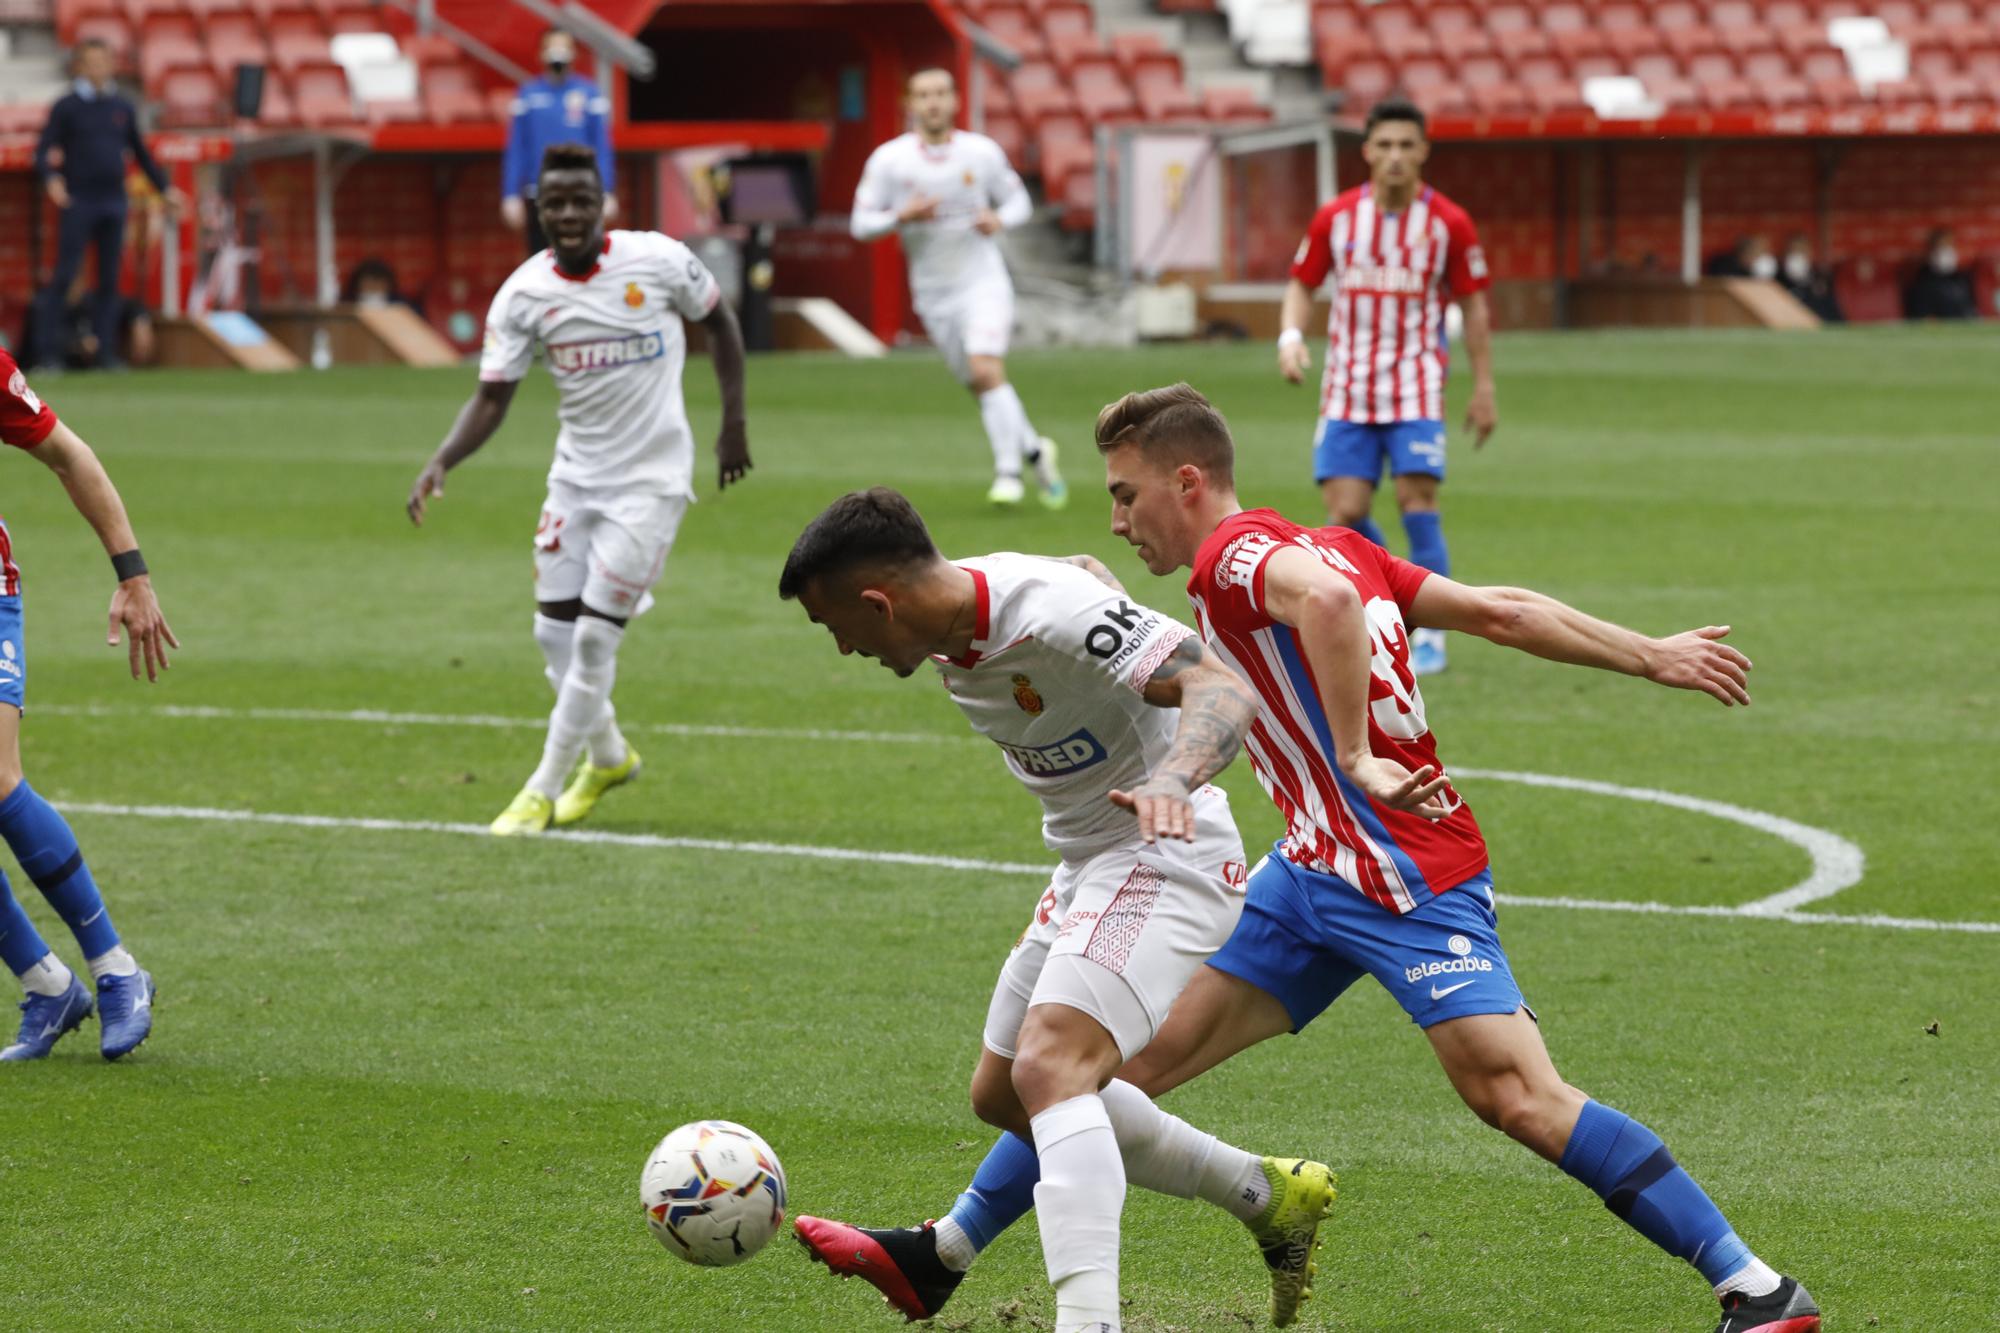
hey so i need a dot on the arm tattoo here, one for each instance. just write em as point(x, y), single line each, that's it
point(1217, 709)
point(1097, 568)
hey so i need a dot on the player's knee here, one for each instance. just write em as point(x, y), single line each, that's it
point(993, 1098)
point(596, 641)
point(985, 373)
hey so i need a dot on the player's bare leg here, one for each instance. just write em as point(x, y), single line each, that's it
point(1348, 500)
point(1214, 1018)
point(1417, 498)
point(1500, 1066)
point(1013, 438)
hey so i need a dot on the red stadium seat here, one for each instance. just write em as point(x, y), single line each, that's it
point(234, 39)
point(452, 96)
point(357, 19)
point(209, 10)
point(1013, 26)
point(1006, 130)
point(297, 39)
point(1365, 81)
point(1068, 20)
point(22, 117)
point(1141, 47)
point(1338, 39)
point(1399, 32)
point(1432, 86)
point(1518, 33)
point(277, 110)
point(1233, 105)
point(321, 94)
point(190, 96)
point(1824, 62)
point(1162, 96)
point(1063, 145)
point(1101, 93)
point(1079, 201)
point(996, 95)
point(168, 41)
point(393, 111)
point(1070, 49)
point(427, 51)
point(1458, 34)
point(500, 101)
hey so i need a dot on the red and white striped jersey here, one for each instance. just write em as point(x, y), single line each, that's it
point(1392, 275)
point(1398, 859)
point(25, 421)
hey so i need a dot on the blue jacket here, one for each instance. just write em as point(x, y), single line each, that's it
point(544, 115)
point(94, 133)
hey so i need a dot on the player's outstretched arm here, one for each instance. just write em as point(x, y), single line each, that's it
point(1539, 624)
point(477, 420)
point(1217, 708)
point(134, 609)
point(1097, 570)
point(1301, 591)
point(725, 348)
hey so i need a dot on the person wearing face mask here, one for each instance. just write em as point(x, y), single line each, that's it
point(1751, 257)
point(1940, 288)
point(1809, 283)
point(560, 107)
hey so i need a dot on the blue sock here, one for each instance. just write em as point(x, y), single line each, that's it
point(21, 945)
point(1425, 528)
point(47, 850)
point(1002, 1193)
point(1638, 1179)
point(1369, 528)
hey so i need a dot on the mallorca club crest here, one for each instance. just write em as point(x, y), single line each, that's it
point(1026, 697)
point(969, 178)
point(633, 296)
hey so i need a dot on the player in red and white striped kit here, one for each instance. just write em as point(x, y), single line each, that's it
point(1382, 871)
point(1398, 252)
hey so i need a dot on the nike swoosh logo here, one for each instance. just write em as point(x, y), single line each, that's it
point(50, 1031)
point(1437, 994)
point(145, 999)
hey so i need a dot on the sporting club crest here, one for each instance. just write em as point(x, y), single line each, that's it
point(633, 296)
point(1025, 695)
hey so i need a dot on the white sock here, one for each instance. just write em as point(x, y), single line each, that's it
point(1007, 428)
point(1077, 1203)
point(586, 688)
point(113, 962)
point(1167, 1155)
point(1755, 1278)
point(48, 977)
point(557, 639)
point(955, 1249)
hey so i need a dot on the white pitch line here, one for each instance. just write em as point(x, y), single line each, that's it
point(1836, 863)
point(379, 718)
point(853, 854)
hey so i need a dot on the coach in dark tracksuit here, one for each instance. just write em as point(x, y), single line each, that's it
point(93, 127)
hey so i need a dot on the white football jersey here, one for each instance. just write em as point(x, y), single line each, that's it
point(1053, 678)
point(967, 174)
point(614, 342)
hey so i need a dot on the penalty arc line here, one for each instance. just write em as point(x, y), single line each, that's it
point(920, 859)
point(1837, 863)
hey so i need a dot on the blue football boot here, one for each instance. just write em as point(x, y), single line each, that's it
point(45, 1019)
point(124, 1012)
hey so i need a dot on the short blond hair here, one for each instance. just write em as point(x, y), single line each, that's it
point(1176, 423)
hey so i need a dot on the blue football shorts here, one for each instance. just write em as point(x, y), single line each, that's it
point(1306, 937)
point(13, 654)
point(1357, 448)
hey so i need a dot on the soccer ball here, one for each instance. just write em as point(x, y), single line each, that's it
point(714, 1193)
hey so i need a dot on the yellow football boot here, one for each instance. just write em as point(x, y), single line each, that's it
point(1288, 1230)
point(591, 782)
point(527, 813)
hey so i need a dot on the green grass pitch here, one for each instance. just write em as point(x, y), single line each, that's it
point(404, 1078)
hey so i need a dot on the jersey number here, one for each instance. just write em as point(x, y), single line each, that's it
point(1401, 713)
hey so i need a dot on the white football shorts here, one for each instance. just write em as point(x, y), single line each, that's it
point(607, 547)
point(975, 321)
point(1119, 935)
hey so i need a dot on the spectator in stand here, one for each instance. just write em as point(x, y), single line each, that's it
point(373, 282)
point(1751, 257)
point(1811, 284)
point(560, 107)
point(81, 163)
point(1941, 288)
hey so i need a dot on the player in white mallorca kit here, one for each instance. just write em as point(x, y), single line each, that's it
point(606, 311)
point(1115, 717)
point(950, 193)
